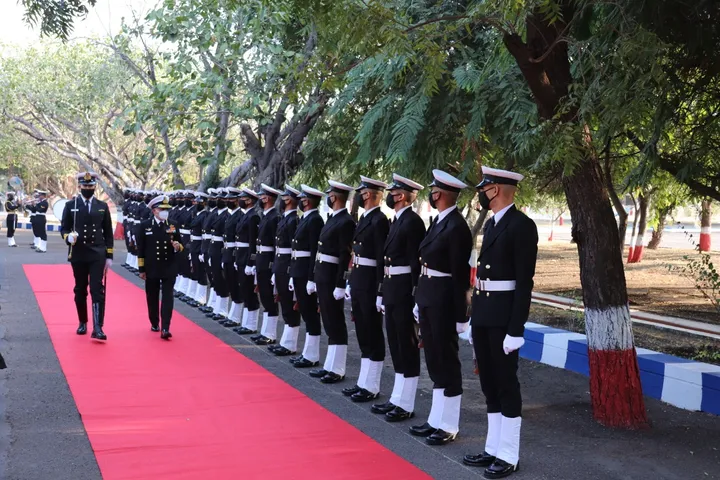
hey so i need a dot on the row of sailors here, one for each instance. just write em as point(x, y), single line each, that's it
point(241, 256)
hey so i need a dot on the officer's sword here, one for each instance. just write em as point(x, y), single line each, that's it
point(73, 229)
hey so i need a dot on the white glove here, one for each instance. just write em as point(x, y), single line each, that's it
point(72, 238)
point(209, 261)
point(291, 285)
point(201, 257)
point(379, 305)
point(416, 313)
point(134, 239)
point(347, 293)
point(248, 270)
point(222, 265)
point(339, 293)
point(461, 327)
point(189, 256)
point(272, 279)
point(108, 263)
point(311, 288)
point(510, 344)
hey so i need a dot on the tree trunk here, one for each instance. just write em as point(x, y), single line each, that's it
point(705, 225)
point(657, 233)
point(212, 171)
point(615, 389)
point(617, 203)
point(642, 225)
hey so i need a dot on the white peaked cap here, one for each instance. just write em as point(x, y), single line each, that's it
point(313, 192)
point(446, 181)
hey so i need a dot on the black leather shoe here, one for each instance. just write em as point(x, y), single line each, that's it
point(482, 460)
point(154, 328)
point(264, 341)
point(165, 334)
point(500, 469)
point(243, 331)
point(205, 309)
point(177, 294)
point(398, 415)
point(440, 437)
point(82, 329)
point(280, 351)
point(217, 317)
point(350, 391)
point(193, 303)
point(98, 335)
point(305, 363)
point(210, 314)
point(319, 373)
point(424, 430)
point(296, 359)
point(332, 378)
point(257, 337)
point(382, 408)
point(230, 324)
point(364, 396)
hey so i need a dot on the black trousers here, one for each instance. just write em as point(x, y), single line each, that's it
point(39, 225)
point(126, 229)
point(208, 270)
point(86, 274)
point(267, 295)
point(199, 273)
point(440, 341)
point(231, 278)
point(184, 267)
point(333, 314)
point(11, 224)
point(402, 338)
point(247, 289)
point(368, 325)
point(308, 306)
point(498, 372)
point(291, 317)
point(219, 281)
point(160, 298)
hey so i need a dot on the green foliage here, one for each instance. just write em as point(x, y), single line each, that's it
point(56, 18)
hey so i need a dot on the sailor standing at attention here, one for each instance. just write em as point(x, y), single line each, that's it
point(11, 207)
point(441, 305)
point(501, 305)
point(402, 269)
point(364, 289)
point(331, 266)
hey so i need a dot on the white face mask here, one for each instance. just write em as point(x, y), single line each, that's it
point(163, 215)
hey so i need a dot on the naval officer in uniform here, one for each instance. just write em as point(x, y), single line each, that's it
point(11, 207)
point(87, 229)
point(302, 274)
point(441, 305)
point(158, 244)
point(364, 289)
point(402, 270)
point(500, 308)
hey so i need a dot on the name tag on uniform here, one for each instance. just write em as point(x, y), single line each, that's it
point(74, 210)
point(148, 233)
point(101, 211)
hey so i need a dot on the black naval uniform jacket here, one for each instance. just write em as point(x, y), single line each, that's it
point(306, 240)
point(207, 231)
point(156, 254)
point(41, 208)
point(196, 230)
point(446, 248)
point(284, 235)
point(335, 240)
point(246, 232)
point(369, 242)
point(229, 235)
point(94, 229)
point(266, 238)
point(401, 250)
point(218, 230)
point(509, 252)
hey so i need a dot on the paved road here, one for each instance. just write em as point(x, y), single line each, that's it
point(46, 439)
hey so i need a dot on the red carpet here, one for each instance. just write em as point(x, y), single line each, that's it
point(193, 407)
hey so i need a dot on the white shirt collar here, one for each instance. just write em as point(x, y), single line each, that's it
point(232, 212)
point(368, 211)
point(399, 212)
point(335, 212)
point(266, 211)
point(498, 216)
point(309, 212)
point(288, 213)
point(244, 210)
point(445, 213)
point(157, 220)
point(221, 211)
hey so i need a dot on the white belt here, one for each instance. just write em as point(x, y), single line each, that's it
point(284, 251)
point(322, 258)
point(196, 237)
point(390, 271)
point(205, 236)
point(242, 245)
point(264, 249)
point(32, 214)
point(495, 285)
point(364, 262)
point(184, 231)
point(216, 238)
point(301, 254)
point(230, 244)
point(39, 213)
point(429, 272)
point(135, 220)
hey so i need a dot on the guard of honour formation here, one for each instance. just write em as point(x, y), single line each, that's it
point(228, 250)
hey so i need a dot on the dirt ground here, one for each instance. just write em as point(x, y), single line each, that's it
point(652, 287)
